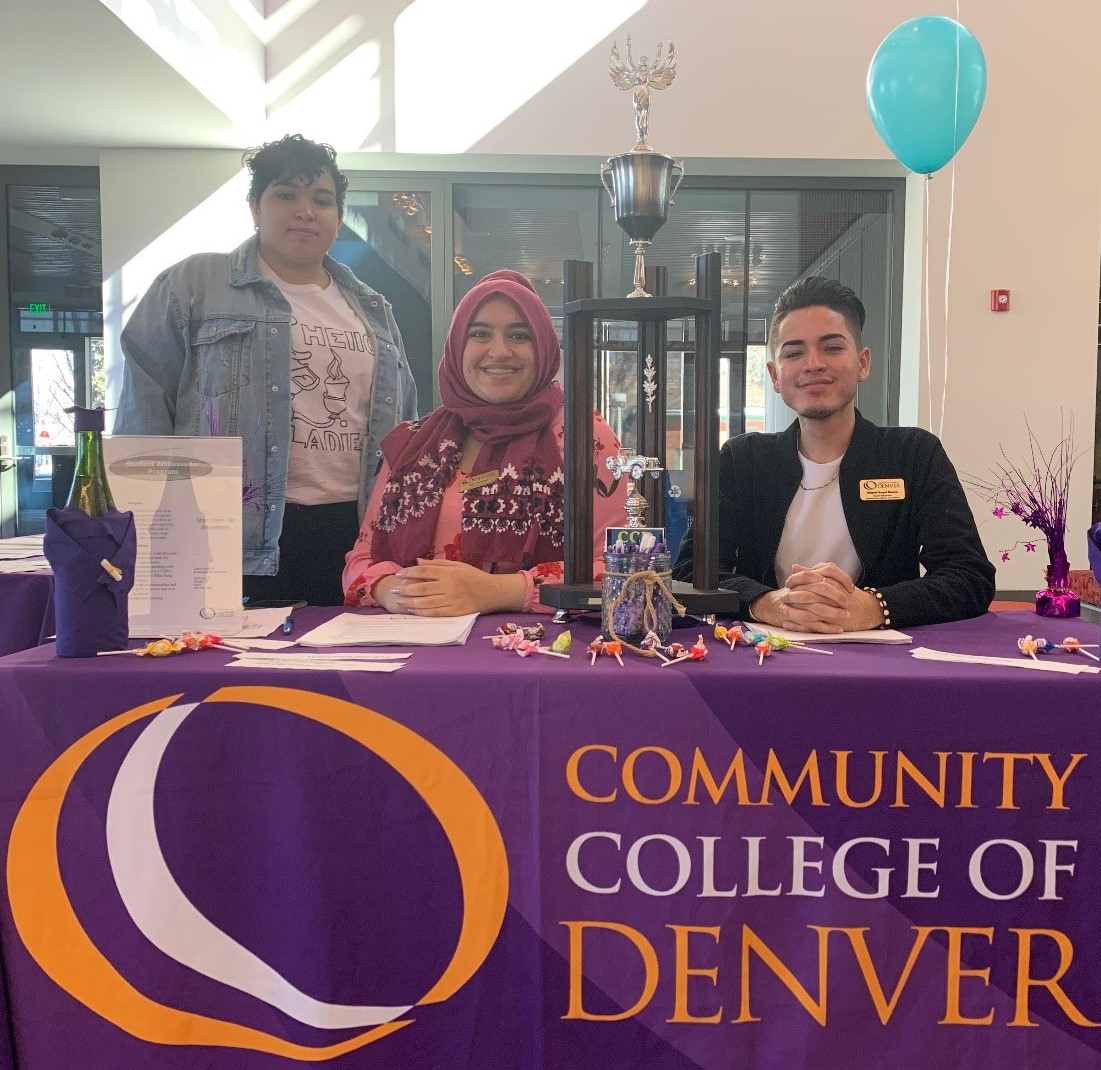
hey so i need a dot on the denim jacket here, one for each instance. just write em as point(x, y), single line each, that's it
point(207, 352)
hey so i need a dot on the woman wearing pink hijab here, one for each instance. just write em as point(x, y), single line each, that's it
point(466, 514)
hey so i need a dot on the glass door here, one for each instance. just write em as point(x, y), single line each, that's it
point(52, 336)
point(393, 239)
point(51, 376)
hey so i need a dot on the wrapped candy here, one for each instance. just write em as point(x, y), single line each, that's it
point(780, 642)
point(163, 647)
point(593, 649)
point(696, 652)
point(1073, 646)
point(764, 649)
point(1028, 646)
point(533, 631)
point(611, 648)
point(732, 636)
point(562, 644)
point(614, 649)
point(651, 644)
point(516, 642)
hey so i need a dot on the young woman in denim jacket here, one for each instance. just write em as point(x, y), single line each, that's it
point(281, 345)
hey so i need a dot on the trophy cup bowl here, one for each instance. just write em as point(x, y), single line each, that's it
point(641, 186)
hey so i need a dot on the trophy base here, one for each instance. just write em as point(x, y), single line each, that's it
point(587, 598)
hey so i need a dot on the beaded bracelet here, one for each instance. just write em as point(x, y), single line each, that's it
point(882, 605)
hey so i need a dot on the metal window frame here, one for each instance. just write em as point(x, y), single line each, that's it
point(21, 175)
point(703, 175)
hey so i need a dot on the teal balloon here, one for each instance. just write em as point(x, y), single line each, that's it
point(926, 87)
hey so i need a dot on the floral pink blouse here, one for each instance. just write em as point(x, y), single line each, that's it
point(361, 573)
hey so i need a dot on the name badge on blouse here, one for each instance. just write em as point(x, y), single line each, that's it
point(882, 490)
point(481, 480)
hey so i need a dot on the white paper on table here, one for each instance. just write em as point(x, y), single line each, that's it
point(236, 642)
point(20, 546)
point(29, 564)
point(260, 656)
point(874, 635)
point(255, 623)
point(923, 653)
point(306, 661)
point(390, 629)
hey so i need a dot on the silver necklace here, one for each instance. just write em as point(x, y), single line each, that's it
point(822, 486)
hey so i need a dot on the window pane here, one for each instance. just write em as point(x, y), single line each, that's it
point(55, 312)
point(531, 229)
point(386, 239)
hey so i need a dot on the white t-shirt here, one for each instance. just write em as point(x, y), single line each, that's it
point(815, 529)
point(332, 370)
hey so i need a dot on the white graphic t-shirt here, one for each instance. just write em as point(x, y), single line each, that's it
point(332, 369)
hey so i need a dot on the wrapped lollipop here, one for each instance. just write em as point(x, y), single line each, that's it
point(731, 636)
point(1073, 646)
point(1028, 646)
point(651, 643)
point(200, 640)
point(696, 652)
point(614, 649)
point(163, 647)
point(594, 649)
point(533, 631)
point(764, 649)
point(517, 644)
point(780, 642)
point(562, 643)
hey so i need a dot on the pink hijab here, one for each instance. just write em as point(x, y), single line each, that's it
point(512, 518)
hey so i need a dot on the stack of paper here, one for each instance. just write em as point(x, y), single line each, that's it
point(21, 546)
point(339, 662)
point(390, 629)
point(22, 554)
point(26, 564)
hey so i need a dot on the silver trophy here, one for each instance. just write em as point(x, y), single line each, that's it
point(643, 181)
point(627, 463)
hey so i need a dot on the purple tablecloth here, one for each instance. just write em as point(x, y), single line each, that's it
point(858, 860)
point(26, 610)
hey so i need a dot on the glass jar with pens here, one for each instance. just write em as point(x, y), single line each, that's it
point(636, 597)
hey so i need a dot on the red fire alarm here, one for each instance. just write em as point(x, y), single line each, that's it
point(999, 300)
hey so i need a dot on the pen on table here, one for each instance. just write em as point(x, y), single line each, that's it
point(288, 624)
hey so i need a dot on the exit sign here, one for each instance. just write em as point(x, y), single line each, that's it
point(38, 306)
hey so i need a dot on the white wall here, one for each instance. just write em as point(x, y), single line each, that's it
point(785, 80)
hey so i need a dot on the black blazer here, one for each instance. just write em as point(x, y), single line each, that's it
point(931, 526)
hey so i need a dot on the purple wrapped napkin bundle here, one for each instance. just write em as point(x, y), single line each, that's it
point(92, 558)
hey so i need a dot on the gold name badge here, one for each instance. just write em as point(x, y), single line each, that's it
point(882, 490)
point(482, 480)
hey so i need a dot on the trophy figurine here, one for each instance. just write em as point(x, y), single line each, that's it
point(643, 181)
point(627, 463)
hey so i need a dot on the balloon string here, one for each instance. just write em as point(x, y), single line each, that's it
point(951, 215)
point(947, 281)
point(925, 294)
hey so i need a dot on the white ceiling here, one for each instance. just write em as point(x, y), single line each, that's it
point(73, 76)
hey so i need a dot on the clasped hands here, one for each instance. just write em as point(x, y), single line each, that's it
point(819, 598)
point(441, 588)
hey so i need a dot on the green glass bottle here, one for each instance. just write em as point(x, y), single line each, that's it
point(90, 491)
